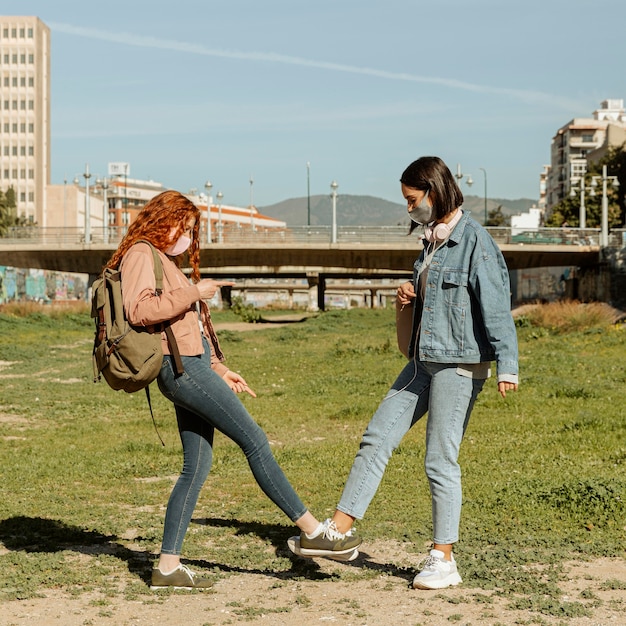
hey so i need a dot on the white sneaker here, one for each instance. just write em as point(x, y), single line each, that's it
point(437, 573)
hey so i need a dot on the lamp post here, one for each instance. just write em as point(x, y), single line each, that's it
point(604, 231)
point(308, 193)
point(469, 182)
point(65, 202)
point(251, 206)
point(208, 186)
point(219, 197)
point(333, 195)
point(582, 211)
point(87, 176)
point(484, 171)
point(104, 183)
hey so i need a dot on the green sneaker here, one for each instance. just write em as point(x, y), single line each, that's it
point(329, 543)
point(181, 578)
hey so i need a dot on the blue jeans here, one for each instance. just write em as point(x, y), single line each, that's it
point(203, 403)
point(448, 397)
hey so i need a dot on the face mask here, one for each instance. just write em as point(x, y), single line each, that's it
point(179, 246)
point(423, 212)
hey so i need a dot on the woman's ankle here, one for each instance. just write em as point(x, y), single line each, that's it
point(168, 563)
point(343, 521)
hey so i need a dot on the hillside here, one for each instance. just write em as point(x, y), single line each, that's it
point(371, 211)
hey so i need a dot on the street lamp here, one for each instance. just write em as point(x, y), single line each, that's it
point(469, 182)
point(582, 211)
point(87, 176)
point(251, 206)
point(604, 232)
point(208, 186)
point(104, 183)
point(219, 196)
point(333, 195)
point(484, 171)
point(308, 193)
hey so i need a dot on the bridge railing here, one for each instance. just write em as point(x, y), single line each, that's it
point(318, 235)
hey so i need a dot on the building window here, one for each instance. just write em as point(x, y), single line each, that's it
point(30, 33)
point(22, 59)
point(31, 105)
point(6, 127)
point(6, 59)
point(14, 105)
point(587, 138)
point(22, 150)
point(6, 150)
point(31, 58)
point(14, 33)
point(6, 105)
point(23, 81)
point(22, 33)
point(31, 151)
point(31, 81)
point(14, 59)
point(31, 174)
point(14, 127)
point(14, 173)
point(5, 33)
point(31, 127)
point(23, 196)
point(6, 174)
point(23, 174)
point(6, 81)
point(22, 105)
point(14, 81)
point(23, 127)
point(14, 151)
point(31, 196)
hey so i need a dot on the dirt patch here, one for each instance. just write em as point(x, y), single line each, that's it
point(375, 590)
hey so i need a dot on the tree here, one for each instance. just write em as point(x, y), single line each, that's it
point(496, 217)
point(8, 211)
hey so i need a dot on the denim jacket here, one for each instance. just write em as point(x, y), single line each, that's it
point(466, 313)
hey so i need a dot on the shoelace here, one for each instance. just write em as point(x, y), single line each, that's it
point(331, 532)
point(428, 563)
point(187, 571)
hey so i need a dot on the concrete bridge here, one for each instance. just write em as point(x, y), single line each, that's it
point(359, 253)
point(300, 251)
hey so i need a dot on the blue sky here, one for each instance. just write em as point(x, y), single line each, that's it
point(191, 90)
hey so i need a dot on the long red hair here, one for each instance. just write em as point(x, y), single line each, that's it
point(170, 209)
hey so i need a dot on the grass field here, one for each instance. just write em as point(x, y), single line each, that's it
point(85, 478)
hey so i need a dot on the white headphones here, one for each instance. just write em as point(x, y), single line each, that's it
point(440, 232)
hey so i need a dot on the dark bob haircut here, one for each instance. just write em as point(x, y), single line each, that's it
point(430, 173)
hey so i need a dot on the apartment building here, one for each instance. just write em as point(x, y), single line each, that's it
point(578, 141)
point(25, 113)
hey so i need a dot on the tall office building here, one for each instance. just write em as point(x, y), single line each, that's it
point(25, 113)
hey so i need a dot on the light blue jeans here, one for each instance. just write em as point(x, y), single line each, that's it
point(448, 397)
point(203, 403)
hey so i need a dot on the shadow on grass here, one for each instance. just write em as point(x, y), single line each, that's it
point(275, 534)
point(42, 535)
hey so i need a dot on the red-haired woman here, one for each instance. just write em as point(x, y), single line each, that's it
point(203, 394)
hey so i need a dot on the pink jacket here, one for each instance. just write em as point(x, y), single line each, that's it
point(177, 303)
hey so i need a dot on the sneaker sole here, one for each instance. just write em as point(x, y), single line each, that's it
point(345, 555)
point(450, 581)
point(175, 588)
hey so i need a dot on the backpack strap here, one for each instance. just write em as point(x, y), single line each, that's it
point(171, 340)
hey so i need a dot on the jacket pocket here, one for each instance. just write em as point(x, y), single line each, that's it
point(454, 287)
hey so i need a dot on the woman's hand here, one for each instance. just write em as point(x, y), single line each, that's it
point(503, 387)
point(406, 293)
point(208, 287)
point(237, 383)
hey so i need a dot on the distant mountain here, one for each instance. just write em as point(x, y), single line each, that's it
point(371, 211)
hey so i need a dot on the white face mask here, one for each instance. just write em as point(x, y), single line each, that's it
point(423, 212)
point(178, 247)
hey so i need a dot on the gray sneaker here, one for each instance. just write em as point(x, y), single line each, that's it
point(181, 578)
point(329, 543)
point(436, 573)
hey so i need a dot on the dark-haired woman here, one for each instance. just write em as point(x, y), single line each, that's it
point(203, 394)
point(460, 299)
